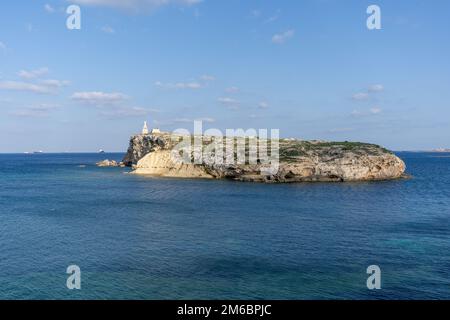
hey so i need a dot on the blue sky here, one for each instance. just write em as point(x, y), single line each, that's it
point(310, 68)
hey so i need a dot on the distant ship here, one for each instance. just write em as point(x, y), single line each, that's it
point(38, 152)
point(101, 151)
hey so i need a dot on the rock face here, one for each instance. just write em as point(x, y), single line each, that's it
point(141, 145)
point(299, 161)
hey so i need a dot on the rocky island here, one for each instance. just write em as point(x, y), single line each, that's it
point(299, 161)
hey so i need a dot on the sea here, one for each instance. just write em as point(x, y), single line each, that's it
point(135, 237)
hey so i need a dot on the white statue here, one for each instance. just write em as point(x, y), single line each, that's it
point(145, 129)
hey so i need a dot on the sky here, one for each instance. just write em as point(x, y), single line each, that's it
point(310, 68)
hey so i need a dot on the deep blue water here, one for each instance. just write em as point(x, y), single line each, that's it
point(148, 238)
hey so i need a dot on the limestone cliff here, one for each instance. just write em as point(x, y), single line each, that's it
point(298, 161)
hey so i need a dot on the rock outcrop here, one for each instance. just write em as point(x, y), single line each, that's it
point(110, 163)
point(141, 145)
point(299, 161)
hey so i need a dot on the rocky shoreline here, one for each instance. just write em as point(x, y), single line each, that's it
point(299, 161)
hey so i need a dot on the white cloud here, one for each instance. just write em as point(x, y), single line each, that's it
point(255, 116)
point(360, 96)
point(111, 105)
point(274, 17)
point(25, 86)
point(180, 85)
point(33, 83)
point(356, 113)
point(364, 113)
point(263, 105)
point(229, 102)
point(206, 119)
point(281, 38)
point(135, 4)
point(371, 89)
point(255, 13)
point(188, 85)
point(376, 110)
point(45, 86)
point(108, 29)
point(376, 88)
point(188, 2)
point(99, 98)
point(32, 74)
point(258, 14)
point(55, 83)
point(2, 47)
point(193, 84)
point(49, 8)
point(232, 90)
point(207, 78)
point(366, 95)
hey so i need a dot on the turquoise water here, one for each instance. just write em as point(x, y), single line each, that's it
point(147, 238)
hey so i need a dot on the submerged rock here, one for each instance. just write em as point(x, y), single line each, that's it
point(299, 161)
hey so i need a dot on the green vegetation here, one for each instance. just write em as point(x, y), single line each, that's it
point(291, 150)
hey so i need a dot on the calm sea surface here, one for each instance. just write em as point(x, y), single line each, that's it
point(148, 238)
